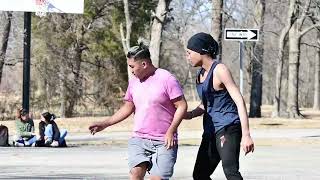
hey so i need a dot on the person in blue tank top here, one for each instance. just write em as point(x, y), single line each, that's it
point(225, 120)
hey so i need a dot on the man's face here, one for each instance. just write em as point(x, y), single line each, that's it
point(193, 57)
point(25, 117)
point(137, 67)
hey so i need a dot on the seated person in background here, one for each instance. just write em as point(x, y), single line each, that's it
point(25, 129)
point(50, 135)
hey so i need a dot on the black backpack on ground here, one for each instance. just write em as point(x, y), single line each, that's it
point(4, 135)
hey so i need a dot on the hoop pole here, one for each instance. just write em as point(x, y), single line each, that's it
point(26, 60)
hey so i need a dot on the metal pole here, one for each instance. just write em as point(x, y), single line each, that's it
point(241, 65)
point(26, 60)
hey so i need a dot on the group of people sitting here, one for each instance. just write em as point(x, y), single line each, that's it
point(49, 133)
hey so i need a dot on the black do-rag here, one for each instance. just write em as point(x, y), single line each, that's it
point(203, 43)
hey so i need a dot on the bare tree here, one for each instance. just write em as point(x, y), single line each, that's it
point(217, 17)
point(63, 90)
point(295, 34)
point(282, 43)
point(126, 37)
point(316, 100)
point(257, 63)
point(4, 40)
point(189, 17)
point(316, 97)
point(159, 19)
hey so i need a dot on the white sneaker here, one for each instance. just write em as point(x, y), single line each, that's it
point(55, 144)
point(18, 144)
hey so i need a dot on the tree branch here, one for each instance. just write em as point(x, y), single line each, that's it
point(311, 45)
point(309, 29)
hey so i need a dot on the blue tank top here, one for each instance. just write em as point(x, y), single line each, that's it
point(221, 110)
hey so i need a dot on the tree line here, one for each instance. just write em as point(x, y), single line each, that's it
point(79, 64)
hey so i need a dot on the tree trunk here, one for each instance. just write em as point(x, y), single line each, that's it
point(192, 86)
point(4, 41)
point(316, 101)
point(257, 66)
point(217, 17)
point(156, 30)
point(125, 38)
point(294, 55)
point(282, 43)
point(63, 90)
point(277, 96)
point(256, 86)
point(77, 87)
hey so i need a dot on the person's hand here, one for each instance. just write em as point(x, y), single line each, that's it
point(247, 144)
point(97, 127)
point(169, 141)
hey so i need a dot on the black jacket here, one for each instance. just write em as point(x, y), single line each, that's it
point(56, 132)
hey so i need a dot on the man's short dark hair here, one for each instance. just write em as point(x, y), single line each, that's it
point(139, 52)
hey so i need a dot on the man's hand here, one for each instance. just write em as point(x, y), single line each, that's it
point(97, 127)
point(169, 141)
point(247, 144)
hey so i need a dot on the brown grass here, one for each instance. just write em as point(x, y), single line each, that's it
point(81, 124)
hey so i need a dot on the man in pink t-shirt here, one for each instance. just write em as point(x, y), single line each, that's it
point(156, 98)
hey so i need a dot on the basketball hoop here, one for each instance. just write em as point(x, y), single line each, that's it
point(42, 7)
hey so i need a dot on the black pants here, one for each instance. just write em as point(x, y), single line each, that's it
point(224, 146)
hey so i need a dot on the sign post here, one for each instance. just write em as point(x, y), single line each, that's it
point(41, 7)
point(241, 35)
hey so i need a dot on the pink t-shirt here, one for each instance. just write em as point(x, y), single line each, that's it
point(154, 110)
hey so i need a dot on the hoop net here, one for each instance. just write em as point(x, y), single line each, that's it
point(42, 7)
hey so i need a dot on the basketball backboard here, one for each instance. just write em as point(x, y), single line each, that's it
point(53, 6)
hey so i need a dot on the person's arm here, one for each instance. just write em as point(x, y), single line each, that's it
point(32, 127)
point(225, 77)
point(126, 109)
point(181, 105)
point(56, 135)
point(198, 111)
point(21, 130)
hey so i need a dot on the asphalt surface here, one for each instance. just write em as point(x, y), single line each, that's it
point(78, 161)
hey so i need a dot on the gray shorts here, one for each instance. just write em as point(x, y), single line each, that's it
point(161, 161)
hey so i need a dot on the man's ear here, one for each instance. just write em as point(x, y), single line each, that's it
point(144, 64)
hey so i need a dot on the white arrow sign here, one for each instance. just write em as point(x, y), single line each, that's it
point(241, 34)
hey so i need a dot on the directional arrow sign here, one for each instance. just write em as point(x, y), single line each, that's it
point(241, 34)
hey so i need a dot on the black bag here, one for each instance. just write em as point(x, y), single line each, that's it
point(4, 135)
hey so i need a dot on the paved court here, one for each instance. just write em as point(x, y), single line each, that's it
point(110, 162)
point(293, 161)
